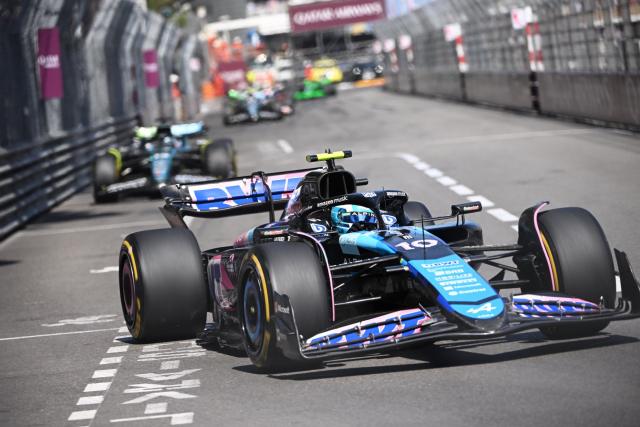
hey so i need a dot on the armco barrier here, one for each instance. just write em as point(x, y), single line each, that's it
point(40, 175)
point(441, 84)
point(613, 98)
point(511, 90)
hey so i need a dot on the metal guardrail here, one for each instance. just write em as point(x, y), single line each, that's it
point(38, 176)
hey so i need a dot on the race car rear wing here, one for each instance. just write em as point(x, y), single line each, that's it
point(255, 193)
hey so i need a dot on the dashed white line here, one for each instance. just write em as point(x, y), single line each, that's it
point(155, 408)
point(111, 360)
point(82, 415)
point(90, 400)
point(421, 166)
point(93, 387)
point(447, 181)
point(109, 269)
point(410, 158)
point(461, 190)
point(285, 146)
point(104, 373)
point(123, 330)
point(169, 364)
point(118, 349)
point(433, 173)
point(56, 334)
point(486, 203)
point(502, 215)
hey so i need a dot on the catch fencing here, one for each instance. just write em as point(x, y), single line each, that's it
point(575, 58)
point(78, 75)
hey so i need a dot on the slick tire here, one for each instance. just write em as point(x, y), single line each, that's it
point(581, 263)
point(104, 173)
point(162, 286)
point(282, 268)
point(415, 211)
point(218, 159)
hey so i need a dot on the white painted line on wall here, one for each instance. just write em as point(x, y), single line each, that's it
point(111, 360)
point(56, 334)
point(461, 190)
point(118, 349)
point(90, 400)
point(104, 373)
point(502, 215)
point(486, 203)
point(93, 387)
point(447, 181)
point(285, 146)
point(155, 408)
point(82, 415)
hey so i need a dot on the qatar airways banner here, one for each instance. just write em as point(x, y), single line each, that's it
point(49, 63)
point(328, 14)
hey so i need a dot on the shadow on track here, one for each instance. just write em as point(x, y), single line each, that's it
point(61, 216)
point(448, 355)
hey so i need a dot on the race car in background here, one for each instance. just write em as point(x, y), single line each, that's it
point(161, 155)
point(310, 89)
point(251, 105)
point(342, 272)
point(325, 69)
point(365, 71)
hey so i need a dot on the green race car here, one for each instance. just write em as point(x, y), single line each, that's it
point(310, 89)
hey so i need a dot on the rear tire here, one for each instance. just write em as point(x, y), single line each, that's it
point(104, 173)
point(415, 211)
point(162, 286)
point(218, 159)
point(583, 264)
point(283, 268)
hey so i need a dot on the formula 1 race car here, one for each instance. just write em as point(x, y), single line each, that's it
point(161, 155)
point(251, 105)
point(343, 272)
point(310, 89)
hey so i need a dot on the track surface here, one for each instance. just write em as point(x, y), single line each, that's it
point(61, 268)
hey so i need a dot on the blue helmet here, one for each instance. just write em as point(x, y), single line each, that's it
point(346, 218)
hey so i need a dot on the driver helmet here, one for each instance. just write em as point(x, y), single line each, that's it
point(349, 218)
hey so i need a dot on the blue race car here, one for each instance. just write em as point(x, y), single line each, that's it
point(341, 271)
point(161, 155)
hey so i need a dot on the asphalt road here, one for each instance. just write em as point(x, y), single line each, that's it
point(65, 359)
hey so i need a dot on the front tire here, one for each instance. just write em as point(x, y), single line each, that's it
point(280, 268)
point(218, 159)
point(162, 286)
point(105, 172)
point(581, 263)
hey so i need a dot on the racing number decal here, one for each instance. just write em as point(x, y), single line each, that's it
point(417, 244)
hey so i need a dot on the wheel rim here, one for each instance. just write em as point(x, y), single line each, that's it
point(128, 292)
point(252, 319)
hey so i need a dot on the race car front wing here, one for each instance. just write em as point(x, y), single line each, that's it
point(396, 329)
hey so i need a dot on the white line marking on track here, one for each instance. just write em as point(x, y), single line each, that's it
point(155, 408)
point(486, 203)
point(118, 349)
point(104, 373)
point(123, 330)
point(90, 400)
point(169, 364)
point(111, 360)
point(82, 415)
point(93, 387)
point(56, 334)
point(176, 419)
point(286, 147)
point(447, 181)
point(461, 190)
point(421, 166)
point(109, 269)
point(433, 173)
point(502, 215)
point(410, 158)
point(93, 228)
